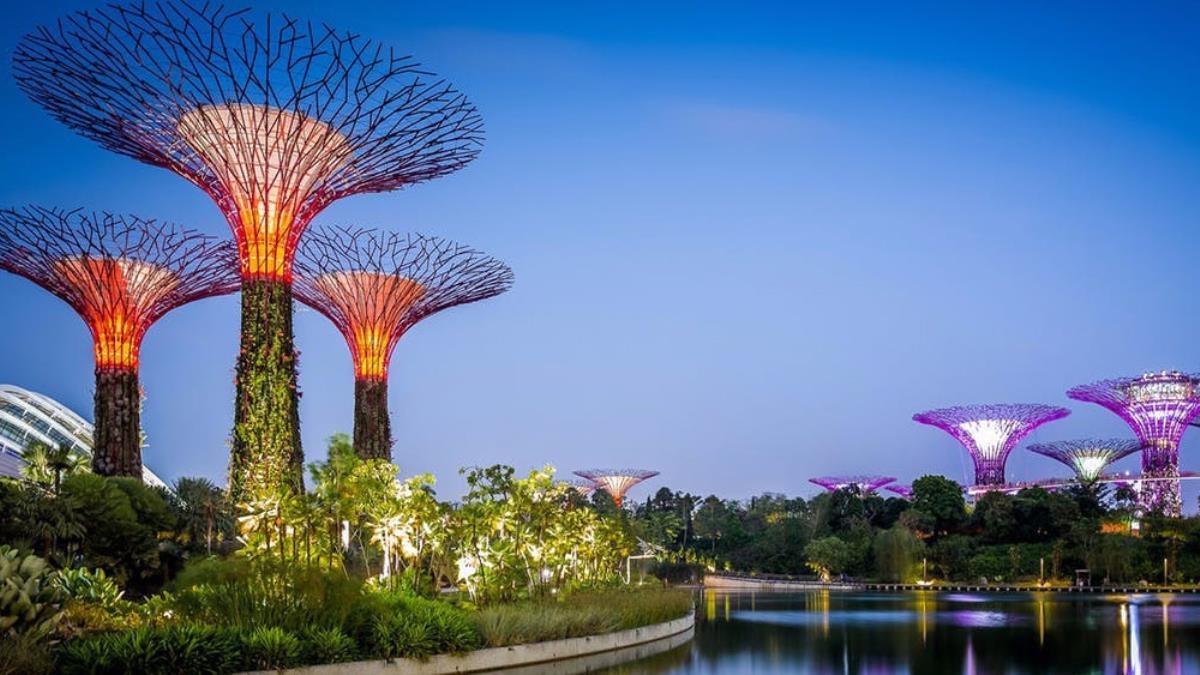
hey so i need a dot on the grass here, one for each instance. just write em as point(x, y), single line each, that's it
point(580, 614)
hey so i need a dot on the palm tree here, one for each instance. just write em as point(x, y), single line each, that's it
point(201, 509)
point(46, 465)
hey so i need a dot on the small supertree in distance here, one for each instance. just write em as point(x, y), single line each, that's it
point(581, 486)
point(905, 491)
point(616, 482)
point(1158, 407)
point(120, 274)
point(863, 484)
point(376, 285)
point(990, 432)
point(273, 117)
point(1088, 457)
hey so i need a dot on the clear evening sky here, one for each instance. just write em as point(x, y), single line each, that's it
point(750, 240)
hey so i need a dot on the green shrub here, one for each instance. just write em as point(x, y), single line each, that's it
point(392, 624)
point(24, 656)
point(212, 570)
point(580, 614)
point(153, 651)
point(270, 649)
point(327, 645)
point(92, 587)
point(30, 605)
point(261, 595)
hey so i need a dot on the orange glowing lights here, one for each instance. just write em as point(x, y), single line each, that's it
point(268, 163)
point(374, 307)
point(116, 298)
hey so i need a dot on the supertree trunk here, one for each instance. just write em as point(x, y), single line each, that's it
point(117, 445)
point(372, 424)
point(266, 456)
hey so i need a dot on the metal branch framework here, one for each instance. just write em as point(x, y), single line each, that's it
point(581, 486)
point(990, 432)
point(1088, 457)
point(1158, 407)
point(120, 274)
point(905, 491)
point(862, 484)
point(376, 285)
point(274, 118)
point(616, 482)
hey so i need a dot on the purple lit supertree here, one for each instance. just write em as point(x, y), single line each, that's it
point(1158, 407)
point(990, 432)
point(616, 482)
point(862, 484)
point(1088, 457)
point(905, 491)
point(273, 117)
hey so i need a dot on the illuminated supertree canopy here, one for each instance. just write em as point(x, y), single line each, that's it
point(990, 432)
point(376, 285)
point(1088, 457)
point(274, 118)
point(904, 491)
point(120, 274)
point(863, 484)
point(582, 486)
point(616, 482)
point(1158, 407)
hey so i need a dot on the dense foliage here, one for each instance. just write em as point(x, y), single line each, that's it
point(114, 576)
point(1032, 535)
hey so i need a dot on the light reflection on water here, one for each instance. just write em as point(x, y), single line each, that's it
point(928, 632)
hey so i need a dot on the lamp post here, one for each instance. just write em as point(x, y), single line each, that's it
point(1042, 571)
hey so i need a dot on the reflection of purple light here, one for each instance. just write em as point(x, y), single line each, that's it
point(990, 432)
point(959, 597)
point(964, 618)
point(978, 619)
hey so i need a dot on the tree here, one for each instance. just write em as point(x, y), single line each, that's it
point(714, 521)
point(828, 556)
point(896, 553)
point(942, 499)
point(47, 465)
point(202, 511)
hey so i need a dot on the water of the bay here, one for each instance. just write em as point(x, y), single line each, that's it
point(928, 632)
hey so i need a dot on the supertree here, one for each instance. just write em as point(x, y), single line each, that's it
point(376, 285)
point(616, 482)
point(581, 486)
point(1088, 457)
point(1158, 407)
point(990, 432)
point(863, 484)
point(274, 118)
point(121, 274)
point(905, 491)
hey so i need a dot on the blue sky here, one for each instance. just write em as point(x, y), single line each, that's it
point(750, 240)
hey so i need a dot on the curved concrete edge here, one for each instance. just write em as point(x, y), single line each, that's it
point(496, 658)
point(731, 583)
